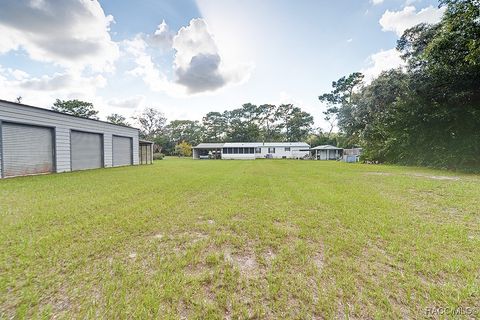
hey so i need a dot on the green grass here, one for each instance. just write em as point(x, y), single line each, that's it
point(239, 239)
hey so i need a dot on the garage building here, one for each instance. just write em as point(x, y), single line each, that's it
point(35, 140)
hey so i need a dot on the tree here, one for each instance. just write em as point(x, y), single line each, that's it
point(76, 107)
point(151, 122)
point(183, 149)
point(215, 125)
point(19, 99)
point(427, 113)
point(267, 117)
point(116, 118)
point(340, 102)
point(299, 125)
point(242, 124)
point(180, 130)
point(184, 130)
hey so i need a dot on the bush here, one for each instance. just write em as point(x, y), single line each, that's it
point(158, 156)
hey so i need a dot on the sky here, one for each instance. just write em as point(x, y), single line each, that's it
point(188, 57)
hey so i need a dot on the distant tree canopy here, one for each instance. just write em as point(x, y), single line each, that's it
point(116, 118)
point(248, 123)
point(427, 113)
point(152, 123)
point(76, 107)
point(258, 123)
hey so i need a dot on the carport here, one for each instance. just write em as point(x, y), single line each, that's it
point(208, 151)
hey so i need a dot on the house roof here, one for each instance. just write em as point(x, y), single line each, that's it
point(265, 144)
point(326, 147)
point(251, 145)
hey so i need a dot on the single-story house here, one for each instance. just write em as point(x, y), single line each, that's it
point(325, 152)
point(251, 150)
point(35, 140)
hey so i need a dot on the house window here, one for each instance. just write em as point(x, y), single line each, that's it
point(287, 149)
point(235, 150)
point(230, 150)
point(224, 150)
point(258, 150)
point(271, 150)
point(240, 150)
point(251, 150)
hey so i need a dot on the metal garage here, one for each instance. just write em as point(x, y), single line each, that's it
point(87, 150)
point(122, 151)
point(27, 149)
point(36, 140)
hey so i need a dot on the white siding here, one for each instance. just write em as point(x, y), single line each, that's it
point(12, 112)
point(230, 156)
point(280, 152)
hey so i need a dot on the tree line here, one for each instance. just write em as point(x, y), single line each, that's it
point(248, 123)
point(428, 112)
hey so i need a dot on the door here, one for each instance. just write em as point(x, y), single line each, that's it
point(122, 151)
point(323, 154)
point(27, 149)
point(86, 150)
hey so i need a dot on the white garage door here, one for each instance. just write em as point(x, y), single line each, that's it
point(26, 149)
point(122, 151)
point(87, 150)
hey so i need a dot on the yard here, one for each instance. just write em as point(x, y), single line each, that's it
point(240, 239)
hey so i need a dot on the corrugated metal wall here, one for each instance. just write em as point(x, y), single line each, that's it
point(12, 112)
point(122, 151)
point(27, 149)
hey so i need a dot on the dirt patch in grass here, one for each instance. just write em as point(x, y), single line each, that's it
point(417, 175)
point(434, 177)
point(244, 261)
point(319, 258)
point(379, 174)
point(182, 310)
point(287, 227)
point(158, 236)
point(269, 256)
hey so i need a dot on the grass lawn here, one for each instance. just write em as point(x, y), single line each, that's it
point(240, 239)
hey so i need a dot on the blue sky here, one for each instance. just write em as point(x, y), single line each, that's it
point(189, 57)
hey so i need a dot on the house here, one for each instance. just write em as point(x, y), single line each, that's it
point(251, 150)
point(326, 152)
point(35, 140)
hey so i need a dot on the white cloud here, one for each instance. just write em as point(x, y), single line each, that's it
point(162, 37)
point(376, 2)
point(61, 81)
point(381, 61)
point(197, 67)
point(147, 69)
point(399, 21)
point(349, 40)
point(42, 91)
point(198, 63)
point(128, 103)
point(69, 33)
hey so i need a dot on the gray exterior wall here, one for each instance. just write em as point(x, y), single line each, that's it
point(62, 124)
